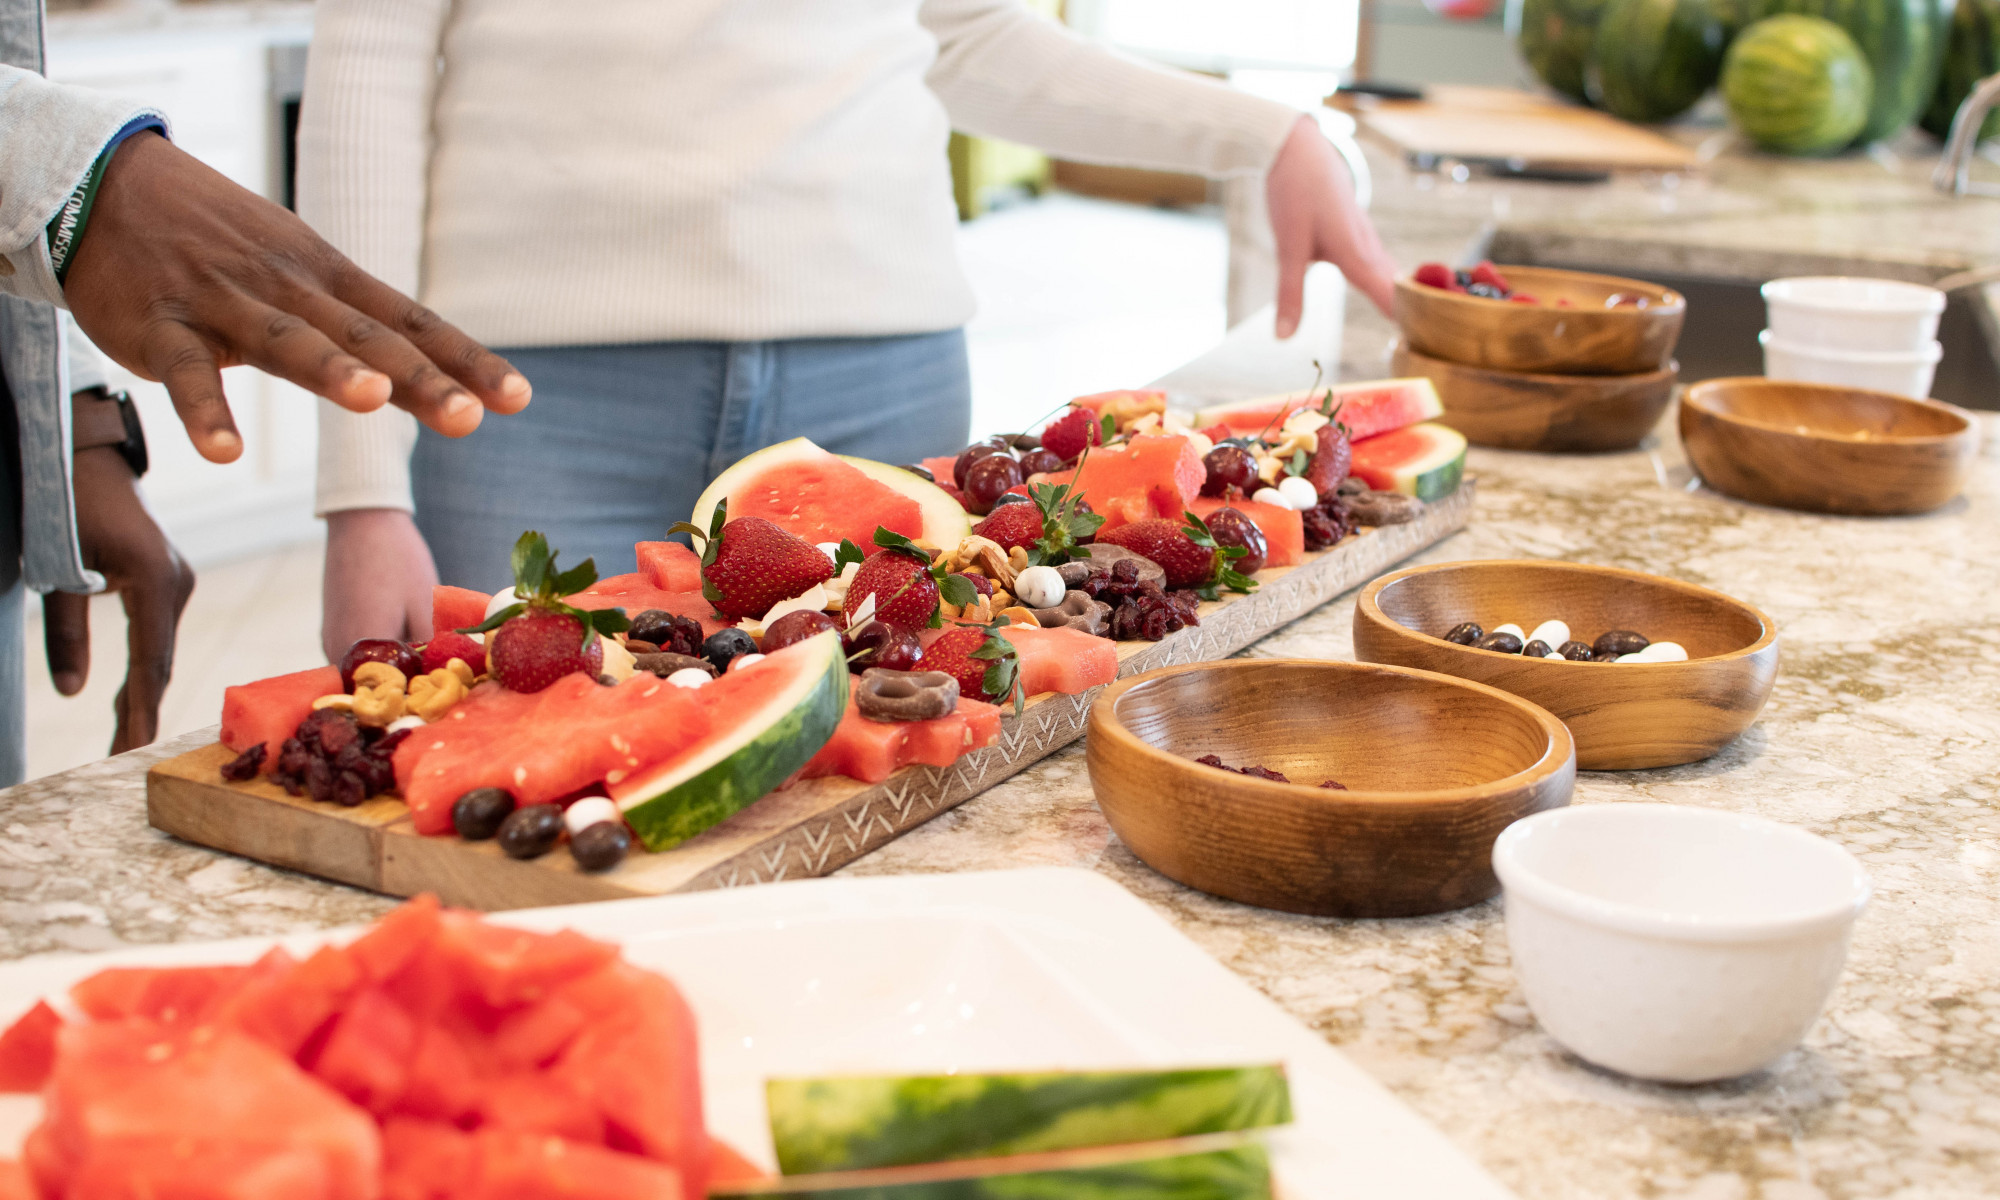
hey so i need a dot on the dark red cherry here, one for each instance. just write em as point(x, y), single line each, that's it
point(1041, 462)
point(1233, 528)
point(1229, 467)
point(383, 650)
point(972, 454)
point(878, 644)
point(795, 627)
point(987, 479)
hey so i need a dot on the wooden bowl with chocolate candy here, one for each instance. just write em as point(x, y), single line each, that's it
point(1651, 672)
point(1556, 323)
point(1559, 414)
point(1826, 449)
point(1429, 769)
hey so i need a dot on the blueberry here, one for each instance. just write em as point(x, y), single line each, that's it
point(1486, 290)
point(724, 645)
point(1011, 498)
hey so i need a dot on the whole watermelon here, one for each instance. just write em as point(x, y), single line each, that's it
point(1654, 58)
point(1903, 41)
point(1797, 85)
point(1972, 52)
point(1554, 37)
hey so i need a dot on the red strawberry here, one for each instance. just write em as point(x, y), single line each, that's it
point(540, 646)
point(1164, 541)
point(969, 654)
point(448, 645)
point(906, 593)
point(1436, 275)
point(1013, 525)
point(1331, 458)
point(1068, 434)
point(754, 564)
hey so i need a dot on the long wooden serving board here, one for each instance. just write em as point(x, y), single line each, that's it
point(811, 828)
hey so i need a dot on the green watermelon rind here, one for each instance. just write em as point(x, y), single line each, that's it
point(1417, 391)
point(945, 520)
point(1215, 1167)
point(1653, 59)
point(1903, 43)
point(1797, 84)
point(759, 752)
point(847, 1123)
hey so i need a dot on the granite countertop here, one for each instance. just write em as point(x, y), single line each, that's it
point(1883, 733)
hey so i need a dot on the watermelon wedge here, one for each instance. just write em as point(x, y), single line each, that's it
point(1367, 409)
point(1425, 460)
point(760, 725)
point(1284, 529)
point(456, 608)
point(850, 1123)
point(824, 497)
point(669, 566)
point(269, 710)
point(871, 751)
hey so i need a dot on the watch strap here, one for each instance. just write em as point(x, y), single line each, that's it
point(101, 419)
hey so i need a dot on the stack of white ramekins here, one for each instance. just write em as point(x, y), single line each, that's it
point(1865, 333)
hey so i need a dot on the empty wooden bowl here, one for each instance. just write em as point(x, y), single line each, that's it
point(1584, 339)
point(1551, 413)
point(1436, 767)
point(1623, 715)
point(1826, 449)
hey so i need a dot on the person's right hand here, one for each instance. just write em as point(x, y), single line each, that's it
point(180, 273)
point(379, 575)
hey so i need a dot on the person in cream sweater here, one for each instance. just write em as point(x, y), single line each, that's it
point(699, 228)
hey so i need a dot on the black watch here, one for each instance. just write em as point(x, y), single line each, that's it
point(102, 418)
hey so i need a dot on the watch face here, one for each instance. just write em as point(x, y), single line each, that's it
point(133, 448)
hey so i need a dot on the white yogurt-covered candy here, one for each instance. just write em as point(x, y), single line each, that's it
point(591, 810)
point(1040, 587)
point(1298, 491)
point(741, 661)
point(1513, 629)
point(501, 600)
point(1550, 634)
point(1663, 652)
point(1271, 495)
point(407, 721)
point(689, 677)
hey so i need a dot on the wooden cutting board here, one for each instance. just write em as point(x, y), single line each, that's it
point(1518, 129)
point(811, 828)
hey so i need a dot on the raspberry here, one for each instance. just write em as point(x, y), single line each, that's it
point(1435, 275)
point(1069, 434)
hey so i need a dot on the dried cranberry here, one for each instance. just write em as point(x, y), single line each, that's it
point(980, 583)
point(671, 633)
point(349, 789)
point(245, 765)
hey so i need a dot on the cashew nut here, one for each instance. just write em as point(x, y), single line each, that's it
point(432, 695)
point(988, 557)
point(379, 674)
point(463, 670)
point(885, 695)
point(379, 704)
point(338, 701)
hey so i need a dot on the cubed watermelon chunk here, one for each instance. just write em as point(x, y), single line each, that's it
point(871, 751)
point(670, 566)
point(1062, 659)
point(457, 608)
point(429, 1160)
point(28, 1049)
point(1284, 529)
point(1152, 475)
point(269, 710)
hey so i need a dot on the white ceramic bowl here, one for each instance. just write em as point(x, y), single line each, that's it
point(1905, 374)
point(1672, 943)
point(1845, 312)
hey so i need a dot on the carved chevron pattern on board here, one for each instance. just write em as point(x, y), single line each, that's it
point(879, 814)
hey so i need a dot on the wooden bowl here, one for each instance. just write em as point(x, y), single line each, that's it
point(1623, 715)
point(1437, 767)
point(1584, 339)
point(1550, 413)
point(1826, 449)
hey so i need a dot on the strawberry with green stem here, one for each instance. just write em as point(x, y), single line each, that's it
point(899, 586)
point(986, 665)
point(750, 564)
point(541, 639)
point(1053, 528)
point(1189, 554)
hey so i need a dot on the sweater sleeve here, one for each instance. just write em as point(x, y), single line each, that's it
point(364, 150)
point(1004, 72)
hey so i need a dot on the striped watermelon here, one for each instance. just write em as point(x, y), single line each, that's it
point(1903, 43)
point(1972, 52)
point(1797, 84)
point(851, 1123)
point(1555, 39)
point(1654, 58)
point(1226, 1166)
point(1426, 461)
point(1366, 408)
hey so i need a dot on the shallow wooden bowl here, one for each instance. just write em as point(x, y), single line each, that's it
point(1551, 413)
point(1826, 449)
point(1623, 715)
point(1437, 767)
point(1584, 339)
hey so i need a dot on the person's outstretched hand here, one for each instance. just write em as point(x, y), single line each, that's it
point(181, 273)
point(119, 538)
point(379, 575)
point(1315, 218)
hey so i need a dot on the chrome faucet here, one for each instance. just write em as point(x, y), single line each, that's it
point(1954, 171)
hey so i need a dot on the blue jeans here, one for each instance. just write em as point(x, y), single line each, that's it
point(621, 440)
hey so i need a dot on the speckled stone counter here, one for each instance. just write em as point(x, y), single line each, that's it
point(1883, 733)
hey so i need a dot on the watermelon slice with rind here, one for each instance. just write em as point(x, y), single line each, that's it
point(826, 497)
point(1367, 409)
point(763, 723)
point(1426, 460)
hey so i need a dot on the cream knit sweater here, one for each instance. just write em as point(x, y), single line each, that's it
point(659, 170)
